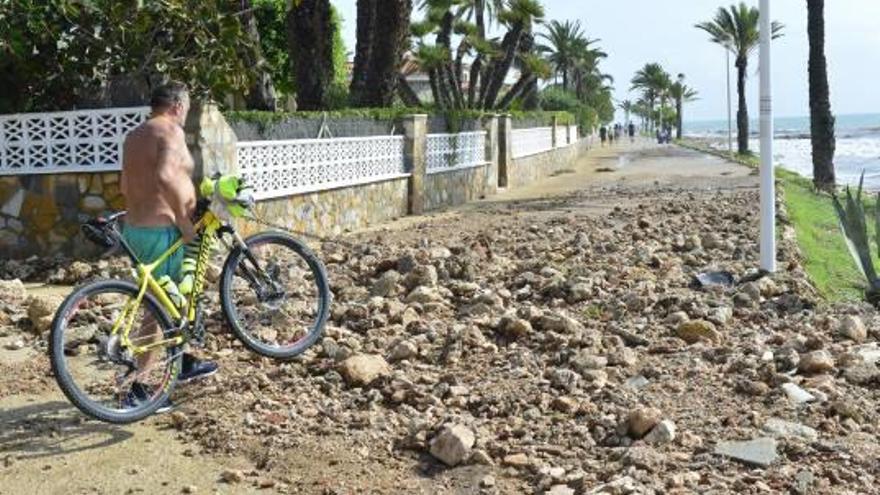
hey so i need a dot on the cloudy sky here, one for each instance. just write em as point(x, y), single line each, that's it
point(634, 32)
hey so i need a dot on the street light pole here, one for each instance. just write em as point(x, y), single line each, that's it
point(729, 111)
point(768, 187)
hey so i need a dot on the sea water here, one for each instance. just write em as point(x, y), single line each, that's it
point(858, 145)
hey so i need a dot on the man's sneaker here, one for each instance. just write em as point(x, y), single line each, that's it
point(139, 394)
point(195, 369)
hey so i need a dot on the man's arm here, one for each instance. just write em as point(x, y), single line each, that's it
point(171, 185)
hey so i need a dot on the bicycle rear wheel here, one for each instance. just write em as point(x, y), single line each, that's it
point(95, 370)
point(275, 295)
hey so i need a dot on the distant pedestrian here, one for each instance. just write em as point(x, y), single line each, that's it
point(632, 132)
point(603, 134)
point(611, 136)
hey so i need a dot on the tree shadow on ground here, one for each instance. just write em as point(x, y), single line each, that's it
point(53, 428)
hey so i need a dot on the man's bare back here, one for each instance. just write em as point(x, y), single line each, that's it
point(156, 171)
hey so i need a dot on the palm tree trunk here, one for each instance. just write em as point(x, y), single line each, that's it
point(678, 117)
point(564, 71)
point(376, 84)
point(742, 113)
point(501, 64)
point(821, 119)
point(310, 37)
point(366, 26)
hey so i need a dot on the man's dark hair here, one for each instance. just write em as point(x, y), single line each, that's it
point(168, 94)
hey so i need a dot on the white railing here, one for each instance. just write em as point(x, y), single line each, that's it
point(284, 168)
point(448, 152)
point(530, 141)
point(59, 142)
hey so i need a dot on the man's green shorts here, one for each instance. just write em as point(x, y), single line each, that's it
point(148, 243)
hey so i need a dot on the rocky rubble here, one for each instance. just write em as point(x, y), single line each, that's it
point(571, 354)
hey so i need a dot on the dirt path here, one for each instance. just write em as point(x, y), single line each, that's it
point(47, 447)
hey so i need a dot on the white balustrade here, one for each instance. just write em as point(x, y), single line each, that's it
point(60, 142)
point(284, 168)
point(448, 152)
point(531, 141)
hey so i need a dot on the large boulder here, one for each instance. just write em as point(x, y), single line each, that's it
point(364, 369)
point(453, 444)
point(12, 292)
point(41, 311)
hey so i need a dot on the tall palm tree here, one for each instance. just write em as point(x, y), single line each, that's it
point(737, 29)
point(627, 107)
point(563, 38)
point(681, 93)
point(821, 119)
point(653, 80)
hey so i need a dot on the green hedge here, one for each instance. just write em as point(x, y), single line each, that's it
point(454, 118)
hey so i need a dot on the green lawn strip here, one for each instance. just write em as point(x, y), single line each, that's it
point(826, 257)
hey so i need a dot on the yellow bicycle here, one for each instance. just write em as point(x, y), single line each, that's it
point(109, 335)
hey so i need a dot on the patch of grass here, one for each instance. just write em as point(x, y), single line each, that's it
point(826, 257)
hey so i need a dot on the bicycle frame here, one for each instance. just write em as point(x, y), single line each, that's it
point(208, 226)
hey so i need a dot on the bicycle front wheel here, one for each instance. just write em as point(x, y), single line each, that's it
point(275, 295)
point(96, 370)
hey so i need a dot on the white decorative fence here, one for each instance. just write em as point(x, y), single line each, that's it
point(448, 152)
point(527, 142)
point(59, 142)
point(288, 167)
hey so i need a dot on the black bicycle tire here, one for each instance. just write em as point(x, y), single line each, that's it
point(323, 285)
point(62, 375)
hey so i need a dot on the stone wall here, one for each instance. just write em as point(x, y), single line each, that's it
point(332, 212)
point(41, 214)
point(455, 188)
point(529, 169)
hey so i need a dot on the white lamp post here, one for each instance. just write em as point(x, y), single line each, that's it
point(768, 187)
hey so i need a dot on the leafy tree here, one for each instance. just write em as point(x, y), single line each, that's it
point(737, 29)
point(64, 54)
point(654, 82)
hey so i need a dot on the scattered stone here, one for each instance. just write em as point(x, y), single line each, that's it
point(560, 490)
point(797, 394)
point(189, 489)
point(12, 291)
point(453, 444)
point(853, 328)
point(803, 482)
point(516, 460)
point(785, 429)
point(663, 432)
point(232, 476)
point(637, 382)
point(41, 311)
point(487, 481)
point(698, 331)
point(15, 345)
point(515, 328)
point(759, 452)
point(564, 405)
point(641, 420)
point(364, 369)
point(424, 295)
point(816, 362)
point(386, 284)
point(404, 350)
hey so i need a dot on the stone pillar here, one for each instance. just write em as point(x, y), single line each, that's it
point(556, 137)
point(211, 141)
point(490, 125)
point(415, 131)
point(505, 149)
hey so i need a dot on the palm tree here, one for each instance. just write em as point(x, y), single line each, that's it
point(562, 38)
point(681, 93)
point(821, 119)
point(737, 30)
point(382, 36)
point(627, 107)
point(653, 80)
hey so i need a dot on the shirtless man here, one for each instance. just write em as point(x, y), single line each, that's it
point(160, 197)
